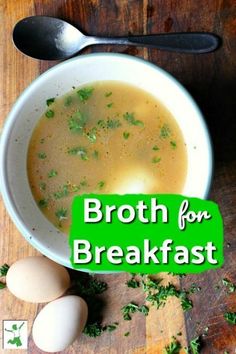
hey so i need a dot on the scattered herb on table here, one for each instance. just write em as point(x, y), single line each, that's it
point(133, 283)
point(181, 275)
point(194, 346)
point(173, 144)
point(85, 93)
point(77, 122)
point(80, 151)
point(108, 94)
point(194, 288)
point(126, 135)
point(52, 173)
point(131, 308)
point(110, 327)
point(43, 203)
point(49, 113)
point(129, 117)
point(50, 101)
point(165, 131)
point(231, 288)
point(230, 317)
point(4, 269)
point(42, 155)
point(2, 285)
point(156, 159)
point(126, 334)
point(173, 348)
point(93, 330)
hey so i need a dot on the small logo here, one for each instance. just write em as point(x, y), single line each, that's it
point(15, 334)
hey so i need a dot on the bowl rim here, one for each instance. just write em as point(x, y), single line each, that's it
point(7, 197)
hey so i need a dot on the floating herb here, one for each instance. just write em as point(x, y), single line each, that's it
point(62, 192)
point(80, 151)
point(52, 173)
point(42, 155)
point(156, 159)
point(49, 114)
point(230, 317)
point(42, 186)
point(155, 148)
point(173, 144)
point(84, 183)
point(91, 135)
point(42, 141)
point(61, 214)
point(101, 184)
point(126, 135)
point(129, 117)
point(68, 101)
point(109, 105)
point(165, 131)
point(50, 101)
point(77, 122)
point(95, 154)
point(108, 94)
point(113, 123)
point(43, 203)
point(85, 93)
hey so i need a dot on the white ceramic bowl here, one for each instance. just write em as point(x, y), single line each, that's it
point(81, 70)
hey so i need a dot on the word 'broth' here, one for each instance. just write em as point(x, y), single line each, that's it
point(108, 137)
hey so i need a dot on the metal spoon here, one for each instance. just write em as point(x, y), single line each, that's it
point(50, 38)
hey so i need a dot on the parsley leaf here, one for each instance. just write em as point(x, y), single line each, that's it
point(165, 131)
point(62, 192)
point(80, 151)
point(156, 159)
point(195, 345)
point(50, 101)
point(2, 285)
point(68, 101)
point(155, 148)
point(109, 105)
point(108, 94)
point(129, 117)
point(231, 288)
point(101, 184)
point(85, 93)
point(77, 122)
point(173, 144)
point(4, 269)
point(91, 135)
point(93, 330)
point(173, 348)
point(43, 203)
point(42, 186)
point(133, 283)
point(49, 113)
point(126, 135)
point(230, 317)
point(52, 173)
point(42, 155)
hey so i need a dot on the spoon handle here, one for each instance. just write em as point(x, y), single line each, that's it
point(189, 42)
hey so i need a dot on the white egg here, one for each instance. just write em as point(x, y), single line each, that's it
point(59, 323)
point(37, 279)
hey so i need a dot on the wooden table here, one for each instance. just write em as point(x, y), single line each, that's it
point(211, 80)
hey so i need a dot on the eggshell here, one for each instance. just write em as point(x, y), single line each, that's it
point(37, 279)
point(59, 323)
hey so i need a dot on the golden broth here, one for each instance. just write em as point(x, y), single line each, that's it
point(108, 137)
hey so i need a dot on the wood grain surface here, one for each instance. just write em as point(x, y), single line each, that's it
point(211, 79)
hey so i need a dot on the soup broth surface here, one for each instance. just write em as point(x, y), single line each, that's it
point(108, 137)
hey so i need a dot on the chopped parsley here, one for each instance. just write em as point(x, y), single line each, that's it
point(2, 285)
point(155, 148)
point(43, 203)
point(85, 93)
point(42, 141)
point(62, 192)
point(110, 327)
point(80, 151)
point(52, 173)
point(109, 105)
point(131, 308)
point(50, 101)
point(156, 159)
point(173, 144)
point(95, 154)
point(91, 135)
point(68, 101)
point(109, 123)
point(108, 94)
point(129, 117)
point(231, 288)
point(42, 155)
point(165, 131)
point(230, 317)
point(42, 186)
point(173, 348)
point(77, 122)
point(61, 214)
point(49, 113)
point(194, 288)
point(126, 135)
point(4, 269)
point(133, 283)
point(93, 330)
point(195, 345)
point(101, 184)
